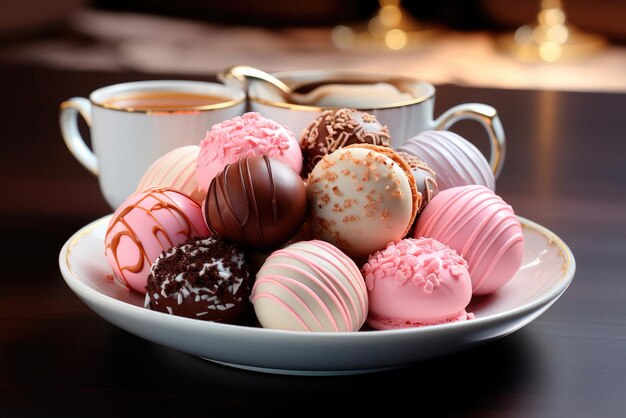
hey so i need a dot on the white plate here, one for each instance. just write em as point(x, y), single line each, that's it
point(547, 270)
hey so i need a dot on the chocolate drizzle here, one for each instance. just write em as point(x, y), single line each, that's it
point(251, 198)
point(273, 183)
point(257, 201)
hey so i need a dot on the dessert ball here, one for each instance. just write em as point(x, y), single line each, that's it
point(243, 136)
point(360, 198)
point(425, 177)
point(416, 282)
point(147, 223)
point(257, 201)
point(310, 286)
point(176, 170)
point(480, 226)
point(334, 129)
point(202, 278)
point(456, 161)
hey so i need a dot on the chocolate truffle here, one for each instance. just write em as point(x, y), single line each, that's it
point(334, 129)
point(258, 201)
point(360, 198)
point(202, 278)
point(425, 177)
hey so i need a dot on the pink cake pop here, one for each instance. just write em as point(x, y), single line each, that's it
point(176, 170)
point(481, 227)
point(147, 223)
point(416, 282)
point(244, 136)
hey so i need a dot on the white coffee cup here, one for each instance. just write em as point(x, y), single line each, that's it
point(126, 140)
point(408, 113)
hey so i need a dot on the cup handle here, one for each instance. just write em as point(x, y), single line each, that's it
point(68, 120)
point(488, 117)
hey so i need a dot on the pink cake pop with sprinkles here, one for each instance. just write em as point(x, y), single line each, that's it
point(416, 282)
point(244, 136)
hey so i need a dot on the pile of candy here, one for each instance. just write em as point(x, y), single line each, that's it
point(327, 232)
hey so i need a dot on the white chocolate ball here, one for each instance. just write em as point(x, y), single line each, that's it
point(359, 200)
point(310, 286)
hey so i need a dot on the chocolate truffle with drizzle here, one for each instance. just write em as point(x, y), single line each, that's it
point(338, 128)
point(258, 201)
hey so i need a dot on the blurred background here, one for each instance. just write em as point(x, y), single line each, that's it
point(539, 44)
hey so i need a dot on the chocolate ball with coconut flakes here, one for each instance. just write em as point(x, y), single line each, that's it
point(202, 278)
point(338, 128)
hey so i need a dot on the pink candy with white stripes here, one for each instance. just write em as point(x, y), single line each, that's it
point(481, 227)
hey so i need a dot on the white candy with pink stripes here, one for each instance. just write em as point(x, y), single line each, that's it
point(310, 286)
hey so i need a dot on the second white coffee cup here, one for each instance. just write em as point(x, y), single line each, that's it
point(406, 115)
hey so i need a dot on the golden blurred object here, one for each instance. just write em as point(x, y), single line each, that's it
point(392, 28)
point(551, 39)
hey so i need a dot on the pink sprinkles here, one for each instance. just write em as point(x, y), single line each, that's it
point(248, 135)
point(413, 262)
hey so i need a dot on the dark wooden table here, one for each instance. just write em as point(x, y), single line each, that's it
point(565, 168)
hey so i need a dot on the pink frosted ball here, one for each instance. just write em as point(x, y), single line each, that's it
point(481, 227)
point(244, 136)
point(175, 170)
point(416, 282)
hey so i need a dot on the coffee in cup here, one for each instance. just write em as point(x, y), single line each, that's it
point(162, 100)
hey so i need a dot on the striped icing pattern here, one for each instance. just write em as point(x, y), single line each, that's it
point(176, 170)
point(480, 226)
point(455, 160)
point(310, 286)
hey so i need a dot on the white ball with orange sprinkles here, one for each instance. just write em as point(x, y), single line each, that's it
point(360, 198)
